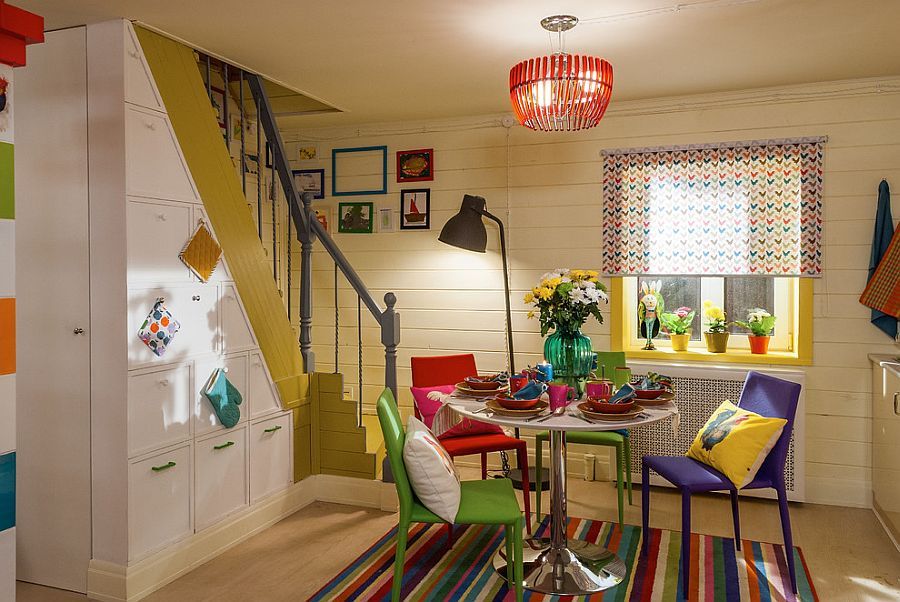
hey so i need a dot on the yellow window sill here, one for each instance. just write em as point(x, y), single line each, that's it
point(732, 356)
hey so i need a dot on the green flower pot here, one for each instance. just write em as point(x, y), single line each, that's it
point(572, 356)
point(716, 342)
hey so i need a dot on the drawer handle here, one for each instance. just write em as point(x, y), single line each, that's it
point(224, 445)
point(273, 429)
point(897, 403)
point(150, 125)
point(163, 467)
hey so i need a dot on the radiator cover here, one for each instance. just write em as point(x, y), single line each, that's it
point(699, 390)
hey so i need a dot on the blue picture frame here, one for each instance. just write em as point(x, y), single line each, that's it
point(359, 149)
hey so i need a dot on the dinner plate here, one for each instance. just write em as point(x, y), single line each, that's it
point(587, 411)
point(501, 411)
point(466, 390)
point(659, 401)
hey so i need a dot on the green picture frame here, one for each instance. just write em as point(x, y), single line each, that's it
point(356, 218)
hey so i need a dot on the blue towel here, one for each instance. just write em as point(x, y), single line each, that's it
point(531, 390)
point(884, 231)
point(625, 393)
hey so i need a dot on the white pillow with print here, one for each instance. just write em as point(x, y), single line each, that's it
point(431, 472)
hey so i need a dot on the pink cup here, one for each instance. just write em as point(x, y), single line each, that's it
point(516, 382)
point(560, 395)
point(599, 389)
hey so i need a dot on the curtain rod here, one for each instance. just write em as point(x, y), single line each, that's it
point(709, 145)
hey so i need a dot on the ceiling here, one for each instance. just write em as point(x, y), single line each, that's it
point(394, 61)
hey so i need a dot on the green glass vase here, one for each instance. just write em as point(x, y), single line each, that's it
point(572, 356)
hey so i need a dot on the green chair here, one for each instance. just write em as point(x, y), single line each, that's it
point(616, 439)
point(490, 502)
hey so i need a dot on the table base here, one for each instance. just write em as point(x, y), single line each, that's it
point(578, 569)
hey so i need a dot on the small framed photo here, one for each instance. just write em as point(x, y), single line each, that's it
point(415, 209)
point(217, 98)
point(310, 180)
point(307, 152)
point(355, 218)
point(415, 165)
point(322, 217)
point(385, 219)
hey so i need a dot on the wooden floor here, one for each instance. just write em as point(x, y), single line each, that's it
point(850, 557)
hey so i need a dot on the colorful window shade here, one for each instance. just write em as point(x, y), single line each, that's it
point(743, 208)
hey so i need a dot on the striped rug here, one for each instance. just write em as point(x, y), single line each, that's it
point(758, 574)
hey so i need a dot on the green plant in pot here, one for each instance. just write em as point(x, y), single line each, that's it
point(678, 325)
point(760, 324)
point(716, 328)
point(563, 301)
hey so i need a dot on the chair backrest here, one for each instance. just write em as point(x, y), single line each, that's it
point(436, 370)
point(609, 360)
point(394, 438)
point(774, 398)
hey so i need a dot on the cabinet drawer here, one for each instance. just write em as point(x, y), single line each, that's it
point(159, 501)
point(157, 233)
point(263, 399)
point(270, 456)
point(205, 420)
point(159, 409)
point(154, 166)
point(221, 477)
point(194, 306)
point(236, 332)
point(139, 85)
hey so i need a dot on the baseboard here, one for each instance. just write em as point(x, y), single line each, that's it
point(356, 492)
point(893, 535)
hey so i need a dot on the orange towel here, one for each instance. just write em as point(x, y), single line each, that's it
point(883, 291)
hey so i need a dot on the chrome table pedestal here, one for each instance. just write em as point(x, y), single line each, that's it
point(561, 566)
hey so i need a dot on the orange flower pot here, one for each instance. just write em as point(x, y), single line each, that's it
point(759, 345)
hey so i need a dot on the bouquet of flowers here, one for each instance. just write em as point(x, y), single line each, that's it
point(715, 317)
point(565, 299)
point(679, 321)
point(759, 322)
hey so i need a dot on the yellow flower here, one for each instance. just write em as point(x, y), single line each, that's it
point(716, 313)
point(545, 293)
point(553, 283)
point(707, 304)
point(592, 274)
point(530, 315)
point(529, 297)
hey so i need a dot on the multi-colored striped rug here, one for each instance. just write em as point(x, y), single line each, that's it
point(758, 574)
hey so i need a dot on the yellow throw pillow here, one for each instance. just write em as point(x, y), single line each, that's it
point(736, 442)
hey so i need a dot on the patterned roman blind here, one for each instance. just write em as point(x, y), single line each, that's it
point(740, 208)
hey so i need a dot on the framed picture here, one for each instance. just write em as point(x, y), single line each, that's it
point(322, 218)
point(415, 209)
point(307, 152)
point(355, 218)
point(385, 219)
point(415, 165)
point(251, 164)
point(360, 170)
point(310, 180)
point(235, 132)
point(217, 98)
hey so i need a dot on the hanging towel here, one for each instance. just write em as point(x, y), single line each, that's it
point(884, 231)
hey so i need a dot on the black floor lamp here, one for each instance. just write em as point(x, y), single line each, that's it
point(466, 230)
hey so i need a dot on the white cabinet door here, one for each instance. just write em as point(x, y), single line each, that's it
point(140, 88)
point(195, 307)
point(159, 409)
point(221, 478)
point(886, 448)
point(154, 165)
point(236, 332)
point(270, 456)
point(159, 501)
point(205, 420)
point(157, 233)
point(263, 398)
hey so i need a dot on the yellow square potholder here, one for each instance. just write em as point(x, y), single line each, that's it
point(202, 253)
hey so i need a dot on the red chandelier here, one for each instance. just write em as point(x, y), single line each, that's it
point(560, 92)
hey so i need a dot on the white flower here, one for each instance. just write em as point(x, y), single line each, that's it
point(577, 295)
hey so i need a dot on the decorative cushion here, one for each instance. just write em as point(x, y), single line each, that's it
point(736, 442)
point(431, 472)
point(429, 407)
point(202, 253)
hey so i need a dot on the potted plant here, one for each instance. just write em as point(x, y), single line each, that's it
point(716, 333)
point(564, 300)
point(760, 324)
point(678, 325)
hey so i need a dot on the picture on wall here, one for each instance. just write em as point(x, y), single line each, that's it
point(415, 209)
point(355, 218)
point(322, 217)
point(310, 180)
point(307, 152)
point(217, 98)
point(385, 219)
point(359, 171)
point(415, 165)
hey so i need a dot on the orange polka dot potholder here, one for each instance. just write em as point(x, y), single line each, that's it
point(159, 328)
point(202, 253)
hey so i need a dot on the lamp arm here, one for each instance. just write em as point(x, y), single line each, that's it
point(509, 333)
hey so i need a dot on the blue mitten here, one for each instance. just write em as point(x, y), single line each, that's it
point(224, 397)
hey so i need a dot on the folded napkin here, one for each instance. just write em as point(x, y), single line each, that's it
point(625, 393)
point(531, 390)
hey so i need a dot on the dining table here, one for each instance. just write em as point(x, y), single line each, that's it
point(558, 564)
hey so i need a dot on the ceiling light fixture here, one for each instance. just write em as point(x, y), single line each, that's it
point(560, 92)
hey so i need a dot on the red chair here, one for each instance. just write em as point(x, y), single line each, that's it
point(437, 370)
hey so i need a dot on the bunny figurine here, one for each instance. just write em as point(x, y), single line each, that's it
point(649, 308)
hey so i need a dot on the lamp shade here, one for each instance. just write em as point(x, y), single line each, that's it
point(466, 230)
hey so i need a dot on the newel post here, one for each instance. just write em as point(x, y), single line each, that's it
point(307, 237)
point(390, 338)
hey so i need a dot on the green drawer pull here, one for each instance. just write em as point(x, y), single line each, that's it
point(163, 467)
point(273, 429)
point(224, 445)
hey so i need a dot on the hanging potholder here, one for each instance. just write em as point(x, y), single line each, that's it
point(159, 328)
point(202, 253)
point(224, 397)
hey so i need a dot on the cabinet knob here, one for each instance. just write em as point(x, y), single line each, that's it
point(195, 298)
point(161, 217)
point(78, 331)
point(150, 125)
point(164, 382)
point(133, 54)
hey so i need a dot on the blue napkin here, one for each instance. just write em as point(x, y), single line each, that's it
point(625, 393)
point(530, 391)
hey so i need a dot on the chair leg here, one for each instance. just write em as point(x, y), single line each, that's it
point(399, 558)
point(538, 461)
point(685, 542)
point(522, 458)
point(628, 467)
point(620, 485)
point(736, 515)
point(645, 509)
point(517, 569)
point(483, 465)
point(788, 538)
point(510, 540)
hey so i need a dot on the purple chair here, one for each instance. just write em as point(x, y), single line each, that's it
point(767, 396)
